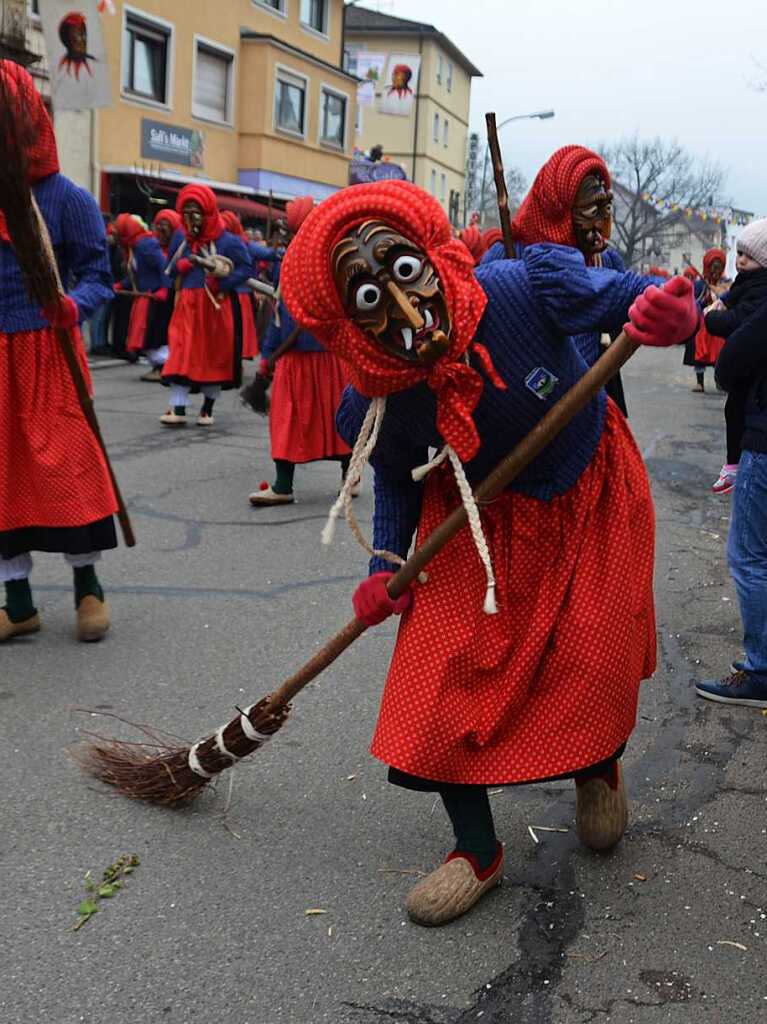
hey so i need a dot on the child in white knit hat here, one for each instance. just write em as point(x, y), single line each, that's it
point(747, 294)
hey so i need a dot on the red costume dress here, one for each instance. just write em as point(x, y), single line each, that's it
point(205, 333)
point(55, 489)
point(244, 295)
point(707, 345)
point(146, 263)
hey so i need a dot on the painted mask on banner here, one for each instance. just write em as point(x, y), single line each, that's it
point(593, 215)
point(391, 291)
point(193, 218)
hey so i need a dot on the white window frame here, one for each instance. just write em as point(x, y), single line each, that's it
point(324, 87)
point(439, 69)
point(304, 78)
point(230, 55)
point(282, 13)
point(435, 127)
point(445, 132)
point(449, 81)
point(310, 29)
point(169, 28)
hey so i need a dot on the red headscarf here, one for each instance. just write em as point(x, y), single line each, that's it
point(710, 256)
point(309, 291)
point(490, 237)
point(129, 230)
point(212, 224)
point(296, 212)
point(169, 217)
point(232, 223)
point(659, 272)
point(472, 239)
point(546, 213)
point(33, 126)
point(691, 273)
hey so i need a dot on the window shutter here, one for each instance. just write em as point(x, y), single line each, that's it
point(211, 86)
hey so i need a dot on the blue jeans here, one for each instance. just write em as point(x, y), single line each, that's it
point(747, 557)
point(99, 324)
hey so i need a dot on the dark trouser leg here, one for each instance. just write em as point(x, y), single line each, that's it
point(468, 808)
point(283, 483)
point(700, 376)
point(345, 460)
point(735, 420)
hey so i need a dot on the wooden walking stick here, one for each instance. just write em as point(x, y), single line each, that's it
point(180, 773)
point(500, 184)
point(32, 246)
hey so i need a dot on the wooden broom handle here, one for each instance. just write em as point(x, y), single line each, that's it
point(500, 184)
point(542, 434)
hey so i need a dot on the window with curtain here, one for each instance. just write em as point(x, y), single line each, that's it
point(276, 5)
point(290, 102)
point(435, 133)
point(439, 69)
point(332, 118)
point(313, 14)
point(442, 188)
point(444, 132)
point(212, 84)
point(145, 69)
point(433, 182)
point(449, 76)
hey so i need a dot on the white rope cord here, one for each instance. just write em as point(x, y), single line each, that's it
point(221, 746)
point(194, 763)
point(250, 731)
point(475, 525)
point(421, 471)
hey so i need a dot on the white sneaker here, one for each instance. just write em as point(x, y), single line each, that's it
point(205, 421)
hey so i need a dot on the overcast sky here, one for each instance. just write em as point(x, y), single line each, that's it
point(608, 67)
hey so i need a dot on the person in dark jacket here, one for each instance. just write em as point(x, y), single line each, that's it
point(725, 315)
point(742, 363)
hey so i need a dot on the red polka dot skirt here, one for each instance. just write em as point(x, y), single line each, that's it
point(52, 471)
point(550, 684)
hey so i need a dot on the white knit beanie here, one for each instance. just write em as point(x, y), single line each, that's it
point(752, 241)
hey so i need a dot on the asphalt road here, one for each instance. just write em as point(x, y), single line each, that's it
point(217, 604)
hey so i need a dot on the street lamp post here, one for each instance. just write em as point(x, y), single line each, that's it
point(540, 115)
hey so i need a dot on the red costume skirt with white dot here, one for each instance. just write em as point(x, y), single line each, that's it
point(201, 339)
point(249, 335)
point(52, 471)
point(550, 684)
point(306, 393)
point(137, 325)
point(707, 347)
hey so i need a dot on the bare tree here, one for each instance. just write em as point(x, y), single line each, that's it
point(487, 200)
point(665, 170)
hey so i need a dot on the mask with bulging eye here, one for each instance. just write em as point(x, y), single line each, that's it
point(593, 215)
point(390, 289)
point(193, 217)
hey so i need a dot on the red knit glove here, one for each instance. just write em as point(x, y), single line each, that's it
point(213, 284)
point(117, 287)
point(183, 266)
point(62, 313)
point(264, 367)
point(161, 294)
point(372, 603)
point(664, 316)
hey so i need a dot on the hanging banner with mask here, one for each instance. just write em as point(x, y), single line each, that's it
point(77, 56)
point(400, 84)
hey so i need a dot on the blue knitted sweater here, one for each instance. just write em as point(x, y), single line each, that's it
point(147, 264)
point(77, 232)
point(226, 245)
point(535, 305)
point(275, 336)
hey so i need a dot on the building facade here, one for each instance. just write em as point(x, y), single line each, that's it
point(430, 142)
point(247, 95)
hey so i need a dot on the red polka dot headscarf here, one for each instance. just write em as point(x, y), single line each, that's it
point(309, 291)
point(546, 213)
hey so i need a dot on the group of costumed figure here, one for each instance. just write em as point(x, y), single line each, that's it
point(519, 657)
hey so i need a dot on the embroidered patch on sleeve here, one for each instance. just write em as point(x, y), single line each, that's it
point(541, 382)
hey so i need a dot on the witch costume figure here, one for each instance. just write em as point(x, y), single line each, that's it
point(205, 333)
point(519, 659)
point(55, 490)
point(145, 264)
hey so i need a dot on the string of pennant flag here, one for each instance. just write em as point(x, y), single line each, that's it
point(716, 214)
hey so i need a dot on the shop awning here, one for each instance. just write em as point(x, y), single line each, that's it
point(247, 207)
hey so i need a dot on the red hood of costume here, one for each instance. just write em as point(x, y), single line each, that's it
point(309, 291)
point(232, 223)
point(212, 222)
point(296, 212)
point(169, 217)
point(128, 230)
point(710, 256)
point(546, 213)
point(33, 123)
point(472, 239)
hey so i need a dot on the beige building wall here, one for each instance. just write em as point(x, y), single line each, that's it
point(432, 164)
